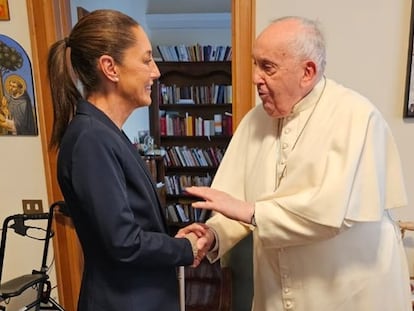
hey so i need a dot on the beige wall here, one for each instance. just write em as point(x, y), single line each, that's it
point(367, 47)
point(22, 174)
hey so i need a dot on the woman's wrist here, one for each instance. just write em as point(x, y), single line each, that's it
point(192, 238)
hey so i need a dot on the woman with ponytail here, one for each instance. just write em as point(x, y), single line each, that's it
point(99, 75)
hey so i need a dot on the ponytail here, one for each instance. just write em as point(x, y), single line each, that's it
point(63, 89)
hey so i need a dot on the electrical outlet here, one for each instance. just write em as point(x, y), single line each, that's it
point(32, 206)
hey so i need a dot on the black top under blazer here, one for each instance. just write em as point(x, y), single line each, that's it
point(129, 259)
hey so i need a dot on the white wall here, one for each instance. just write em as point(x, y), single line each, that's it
point(367, 48)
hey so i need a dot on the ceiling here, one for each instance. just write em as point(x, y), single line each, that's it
point(188, 6)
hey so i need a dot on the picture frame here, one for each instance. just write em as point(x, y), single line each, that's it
point(409, 84)
point(18, 109)
point(4, 10)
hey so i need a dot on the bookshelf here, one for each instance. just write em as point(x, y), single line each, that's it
point(191, 120)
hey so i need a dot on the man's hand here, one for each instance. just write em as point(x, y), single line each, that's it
point(223, 203)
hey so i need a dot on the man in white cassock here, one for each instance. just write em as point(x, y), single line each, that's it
point(313, 173)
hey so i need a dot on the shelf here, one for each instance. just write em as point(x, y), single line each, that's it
point(207, 141)
point(190, 107)
point(195, 69)
point(189, 169)
point(190, 159)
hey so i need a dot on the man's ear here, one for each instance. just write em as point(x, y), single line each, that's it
point(108, 68)
point(310, 69)
point(310, 72)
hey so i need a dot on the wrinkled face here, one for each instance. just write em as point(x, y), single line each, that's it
point(277, 73)
point(138, 71)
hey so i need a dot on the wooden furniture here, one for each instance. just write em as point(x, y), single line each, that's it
point(208, 288)
point(191, 119)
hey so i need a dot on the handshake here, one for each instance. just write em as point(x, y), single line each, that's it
point(201, 238)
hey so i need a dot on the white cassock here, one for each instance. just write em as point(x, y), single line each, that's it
point(323, 180)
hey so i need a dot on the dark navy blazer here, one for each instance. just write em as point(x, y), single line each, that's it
point(129, 259)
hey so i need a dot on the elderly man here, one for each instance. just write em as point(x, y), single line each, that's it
point(313, 173)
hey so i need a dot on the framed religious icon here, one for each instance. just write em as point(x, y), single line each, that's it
point(409, 84)
point(4, 10)
point(17, 101)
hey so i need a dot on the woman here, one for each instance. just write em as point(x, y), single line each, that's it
point(130, 260)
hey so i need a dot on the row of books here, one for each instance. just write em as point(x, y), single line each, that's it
point(174, 123)
point(194, 53)
point(209, 94)
point(184, 212)
point(176, 184)
point(183, 156)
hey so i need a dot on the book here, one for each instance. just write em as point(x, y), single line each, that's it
point(171, 213)
point(189, 125)
point(187, 101)
point(163, 123)
point(207, 128)
point(181, 213)
point(218, 128)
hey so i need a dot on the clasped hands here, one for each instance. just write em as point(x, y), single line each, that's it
point(217, 201)
point(201, 239)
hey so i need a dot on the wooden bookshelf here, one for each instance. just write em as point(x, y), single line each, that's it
point(191, 119)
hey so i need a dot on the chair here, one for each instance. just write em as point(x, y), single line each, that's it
point(38, 279)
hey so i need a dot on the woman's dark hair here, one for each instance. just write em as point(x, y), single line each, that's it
point(101, 32)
